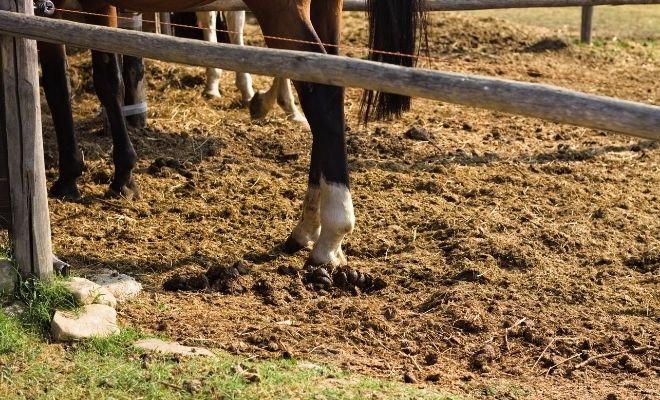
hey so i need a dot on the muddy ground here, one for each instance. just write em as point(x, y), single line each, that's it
point(522, 257)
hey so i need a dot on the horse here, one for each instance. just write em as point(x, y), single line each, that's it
point(305, 25)
point(261, 102)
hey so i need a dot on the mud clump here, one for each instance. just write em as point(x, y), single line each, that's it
point(483, 357)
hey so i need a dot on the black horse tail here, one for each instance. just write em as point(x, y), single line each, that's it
point(395, 28)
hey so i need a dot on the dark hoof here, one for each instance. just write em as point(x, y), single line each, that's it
point(291, 246)
point(129, 191)
point(65, 190)
point(257, 107)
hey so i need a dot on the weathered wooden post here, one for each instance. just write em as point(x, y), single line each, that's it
point(20, 130)
point(585, 27)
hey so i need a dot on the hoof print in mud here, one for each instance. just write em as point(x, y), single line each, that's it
point(344, 278)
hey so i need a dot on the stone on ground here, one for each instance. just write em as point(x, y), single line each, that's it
point(7, 276)
point(95, 320)
point(15, 309)
point(122, 286)
point(88, 292)
point(171, 348)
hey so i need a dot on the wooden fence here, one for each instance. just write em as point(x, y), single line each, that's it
point(22, 151)
point(528, 99)
point(450, 5)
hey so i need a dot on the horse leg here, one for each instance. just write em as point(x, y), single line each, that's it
point(207, 21)
point(286, 101)
point(235, 26)
point(328, 199)
point(55, 81)
point(110, 91)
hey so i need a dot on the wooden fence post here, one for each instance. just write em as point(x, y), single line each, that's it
point(585, 27)
point(20, 125)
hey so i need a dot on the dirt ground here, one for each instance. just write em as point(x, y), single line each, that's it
point(522, 257)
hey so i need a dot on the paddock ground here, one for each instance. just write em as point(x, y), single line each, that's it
point(514, 249)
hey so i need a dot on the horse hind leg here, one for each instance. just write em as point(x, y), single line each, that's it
point(55, 81)
point(286, 101)
point(323, 106)
point(207, 21)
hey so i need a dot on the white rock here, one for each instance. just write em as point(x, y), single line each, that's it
point(95, 320)
point(122, 286)
point(7, 276)
point(15, 309)
point(171, 348)
point(88, 292)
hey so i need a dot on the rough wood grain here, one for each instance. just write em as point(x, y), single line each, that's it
point(528, 99)
point(5, 207)
point(450, 5)
point(585, 27)
point(30, 232)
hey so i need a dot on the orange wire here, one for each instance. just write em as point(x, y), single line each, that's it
point(362, 49)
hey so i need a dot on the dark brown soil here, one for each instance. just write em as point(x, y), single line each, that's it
point(521, 256)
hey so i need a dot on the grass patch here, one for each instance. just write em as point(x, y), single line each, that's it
point(42, 299)
point(112, 368)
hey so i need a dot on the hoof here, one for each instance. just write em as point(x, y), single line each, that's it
point(65, 190)
point(130, 191)
point(257, 106)
point(299, 119)
point(213, 94)
point(291, 246)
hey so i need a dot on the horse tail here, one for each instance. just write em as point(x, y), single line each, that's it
point(395, 28)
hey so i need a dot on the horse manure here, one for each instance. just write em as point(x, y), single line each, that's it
point(287, 270)
point(188, 283)
point(344, 278)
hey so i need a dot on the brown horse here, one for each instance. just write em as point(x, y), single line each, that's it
point(307, 25)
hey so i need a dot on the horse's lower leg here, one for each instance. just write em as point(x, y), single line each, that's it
point(287, 102)
point(109, 88)
point(207, 21)
point(55, 81)
point(235, 26)
point(324, 108)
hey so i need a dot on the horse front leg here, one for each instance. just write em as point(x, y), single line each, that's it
point(55, 81)
point(109, 89)
point(207, 21)
point(235, 26)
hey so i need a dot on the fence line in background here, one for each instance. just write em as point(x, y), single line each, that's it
point(450, 5)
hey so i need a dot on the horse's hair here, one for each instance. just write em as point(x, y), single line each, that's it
point(395, 26)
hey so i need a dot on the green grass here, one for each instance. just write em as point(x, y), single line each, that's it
point(42, 299)
point(112, 368)
point(638, 22)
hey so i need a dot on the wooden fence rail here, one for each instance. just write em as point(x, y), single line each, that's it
point(528, 99)
point(450, 5)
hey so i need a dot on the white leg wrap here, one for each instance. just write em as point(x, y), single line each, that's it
point(309, 227)
point(337, 220)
